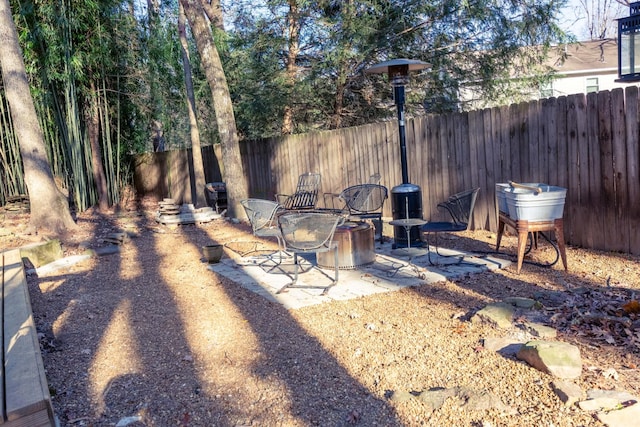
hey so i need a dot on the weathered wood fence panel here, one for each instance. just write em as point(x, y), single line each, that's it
point(588, 144)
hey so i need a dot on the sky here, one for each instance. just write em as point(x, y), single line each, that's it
point(574, 21)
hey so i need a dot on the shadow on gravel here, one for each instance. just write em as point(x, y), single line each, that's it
point(83, 317)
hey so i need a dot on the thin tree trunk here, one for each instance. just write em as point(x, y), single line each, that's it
point(93, 128)
point(49, 207)
point(291, 69)
point(233, 170)
point(198, 165)
point(338, 106)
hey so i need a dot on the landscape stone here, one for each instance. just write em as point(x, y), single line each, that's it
point(42, 253)
point(434, 398)
point(499, 314)
point(504, 346)
point(401, 396)
point(599, 403)
point(625, 417)
point(539, 330)
point(620, 395)
point(559, 359)
point(568, 392)
point(107, 250)
point(481, 400)
point(520, 302)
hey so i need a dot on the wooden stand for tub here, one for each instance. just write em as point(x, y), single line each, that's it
point(524, 227)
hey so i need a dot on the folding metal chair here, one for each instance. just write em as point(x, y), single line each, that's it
point(262, 216)
point(365, 201)
point(309, 232)
point(460, 208)
point(306, 194)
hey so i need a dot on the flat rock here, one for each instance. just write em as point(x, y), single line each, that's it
point(539, 330)
point(42, 253)
point(625, 417)
point(401, 396)
point(499, 314)
point(520, 302)
point(435, 398)
point(559, 359)
point(598, 404)
point(58, 265)
point(568, 392)
point(107, 250)
point(504, 346)
point(620, 395)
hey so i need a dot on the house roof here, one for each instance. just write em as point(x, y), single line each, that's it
point(587, 56)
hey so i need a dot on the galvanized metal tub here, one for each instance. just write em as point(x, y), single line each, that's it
point(531, 205)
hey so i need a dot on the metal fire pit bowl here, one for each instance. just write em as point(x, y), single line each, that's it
point(355, 247)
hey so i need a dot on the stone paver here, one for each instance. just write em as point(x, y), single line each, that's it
point(390, 272)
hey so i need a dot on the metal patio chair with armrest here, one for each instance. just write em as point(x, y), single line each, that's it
point(306, 194)
point(333, 202)
point(365, 201)
point(309, 232)
point(459, 207)
point(262, 216)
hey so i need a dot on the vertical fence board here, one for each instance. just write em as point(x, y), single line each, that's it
point(487, 179)
point(430, 187)
point(605, 156)
point(443, 150)
point(499, 118)
point(550, 153)
point(393, 145)
point(419, 171)
point(474, 131)
point(514, 143)
point(584, 119)
point(561, 147)
point(633, 165)
point(620, 231)
point(572, 209)
point(560, 142)
point(595, 197)
point(450, 157)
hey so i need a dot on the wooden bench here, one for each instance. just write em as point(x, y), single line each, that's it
point(24, 394)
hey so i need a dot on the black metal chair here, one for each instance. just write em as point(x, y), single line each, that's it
point(460, 208)
point(309, 232)
point(365, 201)
point(306, 194)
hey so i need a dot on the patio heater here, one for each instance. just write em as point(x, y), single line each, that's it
point(406, 198)
point(629, 45)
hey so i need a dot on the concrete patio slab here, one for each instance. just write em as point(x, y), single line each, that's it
point(391, 271)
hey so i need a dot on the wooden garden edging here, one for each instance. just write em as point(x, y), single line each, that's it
point(24, 392)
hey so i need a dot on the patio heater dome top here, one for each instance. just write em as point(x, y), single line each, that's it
point(397, 69)
point(383, 67)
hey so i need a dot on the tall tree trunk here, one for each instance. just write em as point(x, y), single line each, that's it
point(213, 9)
point(293, 20)
point(49, 207)
point(93, 128)
point(198, 165)
point(232, 162)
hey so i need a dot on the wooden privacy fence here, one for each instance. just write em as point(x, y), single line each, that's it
point(586, 143)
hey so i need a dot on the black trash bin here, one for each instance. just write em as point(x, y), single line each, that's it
point(406, 202)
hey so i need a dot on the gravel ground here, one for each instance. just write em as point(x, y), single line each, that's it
point(149, 336)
